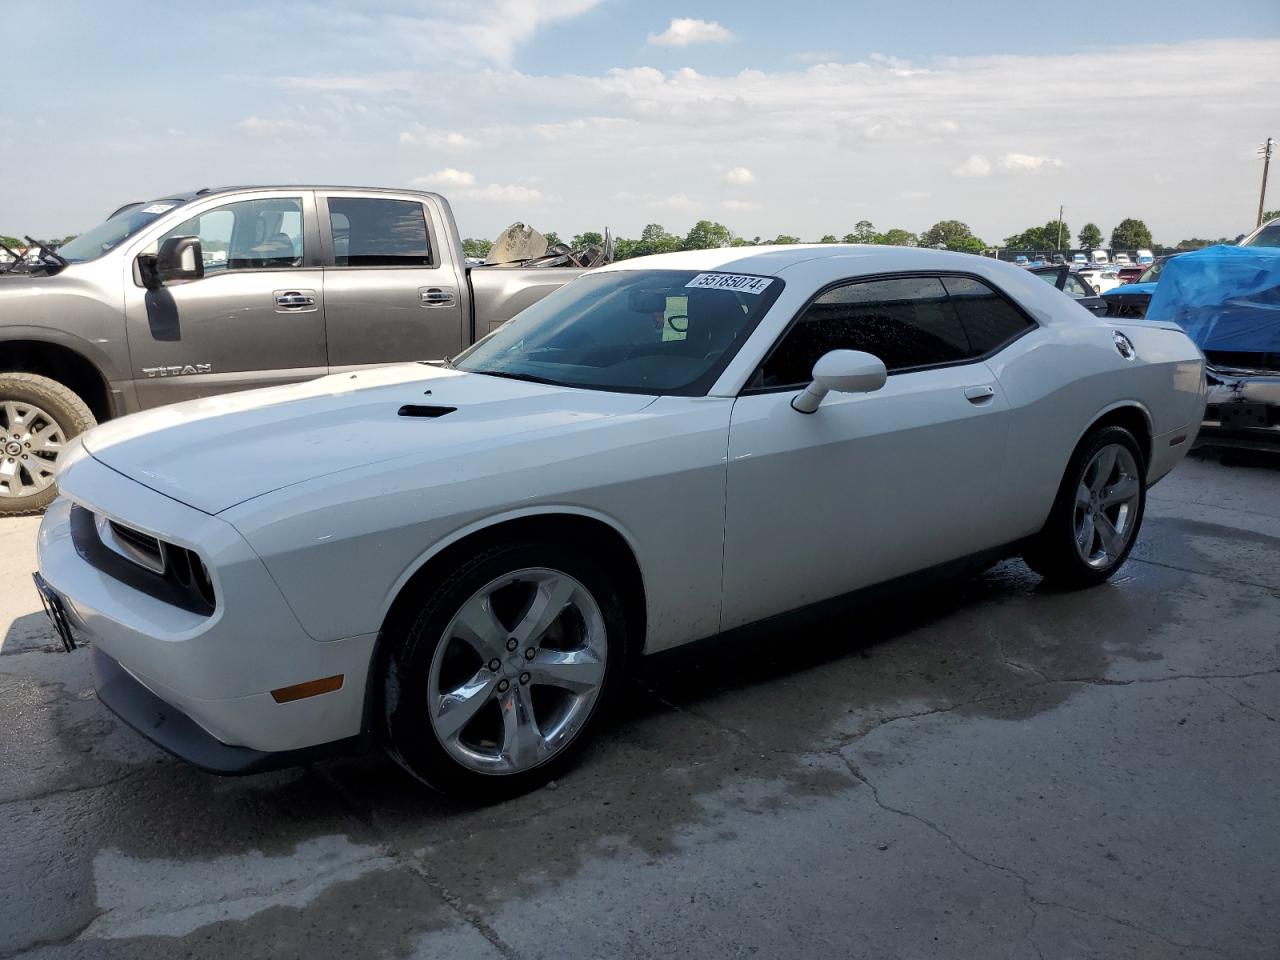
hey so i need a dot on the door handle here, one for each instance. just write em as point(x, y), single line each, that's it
point(293, 299)
point(979, 394)
point(435, 296)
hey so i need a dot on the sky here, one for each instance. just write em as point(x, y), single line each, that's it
point(800, 118)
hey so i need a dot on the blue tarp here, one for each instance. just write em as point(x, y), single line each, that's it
point(1226, 298)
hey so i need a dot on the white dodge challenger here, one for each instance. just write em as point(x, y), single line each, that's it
point(457, 562)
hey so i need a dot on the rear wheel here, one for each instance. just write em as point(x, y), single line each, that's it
point(1095, 519)
point(506, 671)
point(37, 418)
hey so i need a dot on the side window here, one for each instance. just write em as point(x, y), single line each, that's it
point(1075, 288)
point(248, 235)
point(369, 232)
point(988, 318)
point(906, 322)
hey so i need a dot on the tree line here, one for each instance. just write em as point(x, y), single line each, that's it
point(1129, 234)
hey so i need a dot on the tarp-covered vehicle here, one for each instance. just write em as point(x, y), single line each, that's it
point(1228, 301)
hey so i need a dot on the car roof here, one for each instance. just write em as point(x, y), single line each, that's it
point(772, 260)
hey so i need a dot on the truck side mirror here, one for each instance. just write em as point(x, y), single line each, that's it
point(180, 258)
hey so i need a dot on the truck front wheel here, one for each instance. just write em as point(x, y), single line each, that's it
point(37, 418)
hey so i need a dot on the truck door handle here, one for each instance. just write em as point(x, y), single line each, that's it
point(435, 296)
point(294, 299)
point(980, 394)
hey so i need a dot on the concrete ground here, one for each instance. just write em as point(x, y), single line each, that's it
point(986, 770)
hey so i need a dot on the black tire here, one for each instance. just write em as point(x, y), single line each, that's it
point(62, 405)
point(1053, 553)
point(409, 734)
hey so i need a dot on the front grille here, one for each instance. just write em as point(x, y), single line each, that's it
point(1243, 360)
point(139, 547)
point(159, 569)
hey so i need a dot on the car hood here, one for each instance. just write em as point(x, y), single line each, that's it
point(214, 453)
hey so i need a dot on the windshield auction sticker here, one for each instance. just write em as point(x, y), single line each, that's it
point(158, 208)
point(738, 282)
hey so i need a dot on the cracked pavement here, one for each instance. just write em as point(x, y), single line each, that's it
point(979, 768)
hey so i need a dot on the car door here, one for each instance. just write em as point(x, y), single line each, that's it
point(256, 317)
point(390, 293)
point(871, 486)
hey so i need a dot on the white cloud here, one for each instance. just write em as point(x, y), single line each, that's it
point(500, 193)
point(944, 126)
point(448, 177)
point(741, 205)
point(817, 56)
point(976, 166)
point(915, 194)
point(420, 135)
point(739, 176)
point(1026, 161)
point(263, 127)
point(684, 31)
point(677, 201)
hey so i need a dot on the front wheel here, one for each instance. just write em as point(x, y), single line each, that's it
point(1095, 519)
point(37, 418)
point(506, 671)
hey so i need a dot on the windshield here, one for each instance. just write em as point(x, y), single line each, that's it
point(123, 224)
point(1268, 236)
point(635, 331)
point(1152, 273)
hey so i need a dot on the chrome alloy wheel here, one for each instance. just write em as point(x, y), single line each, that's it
point(518, 671)
point(1106, 508)
point(30, 441)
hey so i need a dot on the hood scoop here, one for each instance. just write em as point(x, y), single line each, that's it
point(423, 411)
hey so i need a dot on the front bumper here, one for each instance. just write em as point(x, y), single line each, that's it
point(1243, 409)
point(172, 730)
point(214, 671)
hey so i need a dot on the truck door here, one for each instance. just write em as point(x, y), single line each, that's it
point(256, 318)
point(391, 292)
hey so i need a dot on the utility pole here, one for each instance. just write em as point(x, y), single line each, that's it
point(1265, 152)
point(1059, 228)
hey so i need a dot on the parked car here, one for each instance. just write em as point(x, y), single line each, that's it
point(1132, 299)
point(1020, 260)
point(1267, 235)
point(1079, 259)
point(1057, 258)
point(1100, 278)
point(1130, 273)
point(458, 562)
point(206, 292)
point(1074, 286)
point(1145, 258)
point(1225, 297)
point(1098, 257)
point(1121, 260)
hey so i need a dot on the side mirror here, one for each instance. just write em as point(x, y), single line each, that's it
point(844, 371)
point(180, 258)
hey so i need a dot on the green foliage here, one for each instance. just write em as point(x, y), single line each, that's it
point(1196, 243)
point(1271, 215)
point(476, 248)
point(706, 235)
point(1130, 234)
point(953, 235)
point(13, 243)
point(1090, 236)
point(897, 237)
point(552, 238)
point(829, 238)
point(784, 239)
point(1040, 238)
point(588, 239)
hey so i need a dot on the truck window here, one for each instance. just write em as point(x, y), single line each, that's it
point(371, 232)
point(248, 235)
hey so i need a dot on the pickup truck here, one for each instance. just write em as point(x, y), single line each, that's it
point(217, 290)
